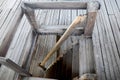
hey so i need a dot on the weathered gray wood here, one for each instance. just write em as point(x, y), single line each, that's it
point(75, 57)
point(44, 43)
point(86, 56)
point(115, 45)
point(70, 29)
point(59, 27)
point(30, 14)
point(100, 70)
point(14, 66)
point(10, 34)
point(58, 30)
point(75, 46)
point(36, 78)
point(56, 5)
point(32, 50)
point(110, 47)
point(92, 8)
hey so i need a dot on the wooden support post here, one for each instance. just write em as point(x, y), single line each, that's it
point(10, 34)
point(14, 66)
point(30, 14)
point(92, 8)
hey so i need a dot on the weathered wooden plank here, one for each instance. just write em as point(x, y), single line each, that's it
point(36, 78)
point(102, 36)
point(75, 46)
point(56, 5)
point(6, 19)
point(118, 4)
point(115, 58)
point(82, 57)
point(106, 46)
point(58, 27)
point(75, 57)
point(58, 32)
point(14, 66)
point(86, 56)
point(6, 43)
point(17, 48)
point(100, 69)
point(115, 22)
point(114, 6)
point(7, 11)
point(109, 7)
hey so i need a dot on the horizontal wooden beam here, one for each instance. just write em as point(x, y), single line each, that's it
point(57, 5)
point(58, 30)
point(9, 63)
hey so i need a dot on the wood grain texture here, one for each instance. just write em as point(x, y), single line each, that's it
point(56, 5)
point(105, 37)
point(14, 66)
point(10, 34)
point(36, 78)
point(57, 30)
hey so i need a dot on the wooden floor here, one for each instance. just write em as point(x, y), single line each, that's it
point(106, 39)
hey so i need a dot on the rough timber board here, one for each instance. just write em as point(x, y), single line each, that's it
point(86, 56)
point(107, 47)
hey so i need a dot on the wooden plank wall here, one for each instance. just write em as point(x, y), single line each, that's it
point(21, 42)
point(106, 37)
point(105, 40)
